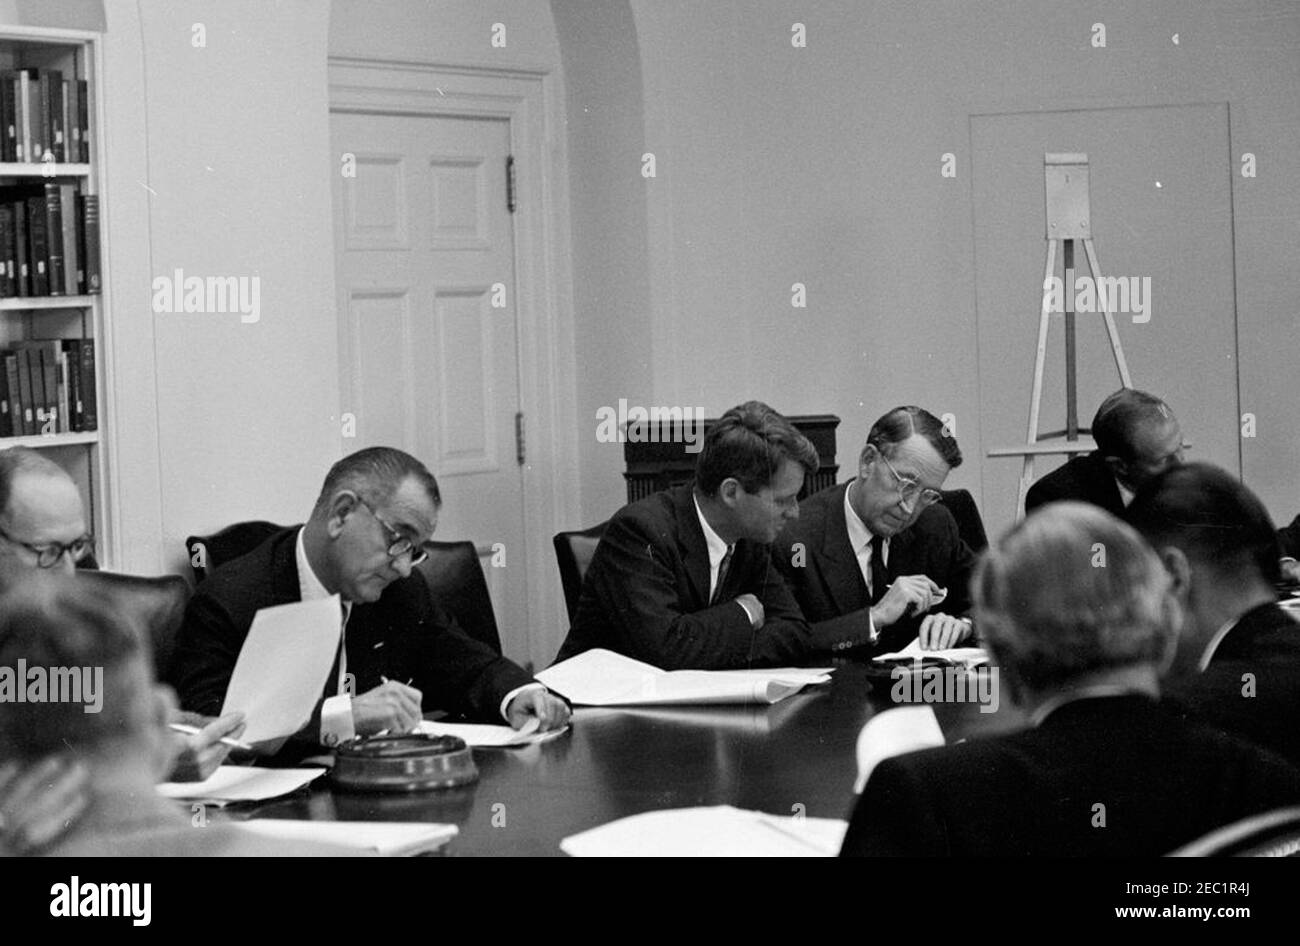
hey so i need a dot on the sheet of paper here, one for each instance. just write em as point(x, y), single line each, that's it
point(603, 678)
point(894, 732)
point(721, 831)
point(282, 667)
point(388, 838)
point(488, 736)
point(231, 783)
point(958, 655)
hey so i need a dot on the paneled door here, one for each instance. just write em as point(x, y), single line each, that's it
point(428, 339)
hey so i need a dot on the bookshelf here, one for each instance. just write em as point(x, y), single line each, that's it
point(52, 158)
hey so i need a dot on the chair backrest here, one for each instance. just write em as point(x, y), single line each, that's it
point(155, 604)
point(207, 552)
point(573, 552)
point(970, 524)
point(1272, 834)
point(456, 580)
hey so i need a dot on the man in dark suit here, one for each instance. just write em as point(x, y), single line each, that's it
point(375, 511)
point(1137, 437)
point(1238, 664)
point(868, 560)
point(1080, 617)
point(683, 578)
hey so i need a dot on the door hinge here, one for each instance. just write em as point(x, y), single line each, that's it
point(520, 454)
point(510, 183)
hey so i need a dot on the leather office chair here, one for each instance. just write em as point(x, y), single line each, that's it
point(231, 542)
point(1273, 834)
point(457, 582)
point(970, 524)
point(573, 552)
point(156, 605)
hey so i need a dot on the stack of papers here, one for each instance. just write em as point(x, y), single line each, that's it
point(486, 736)
point(894, 732)
point(385, 838)
point(235, 783)
point(967, 657)
point(603, 678)
point(721, 831)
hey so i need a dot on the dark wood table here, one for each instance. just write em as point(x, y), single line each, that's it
point(614, 763)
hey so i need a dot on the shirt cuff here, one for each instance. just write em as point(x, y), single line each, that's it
point(515, 692)
point(748, 613)
point(336, 720)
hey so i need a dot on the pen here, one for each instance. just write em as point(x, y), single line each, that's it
point(225, 741)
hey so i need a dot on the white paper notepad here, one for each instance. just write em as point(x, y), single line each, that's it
point(282, 667)
point(720, 831)
point(385, 838)
point(234, 783)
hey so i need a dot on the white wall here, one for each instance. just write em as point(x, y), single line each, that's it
point(217, 165)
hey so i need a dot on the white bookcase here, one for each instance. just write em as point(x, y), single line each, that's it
point(86, 456)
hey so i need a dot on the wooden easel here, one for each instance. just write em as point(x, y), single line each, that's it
point(1068, 219)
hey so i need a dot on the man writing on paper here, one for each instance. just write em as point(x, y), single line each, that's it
point(1080, 618)
point(111, 718)
point(376, 509)
point(1238, 663)
point(877, 561)
point(43, 530)
point(1137, 437)
point(683, 580)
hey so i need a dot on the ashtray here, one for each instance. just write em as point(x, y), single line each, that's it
point(413, 762)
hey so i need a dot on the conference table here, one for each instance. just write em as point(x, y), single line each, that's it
point(794, 757)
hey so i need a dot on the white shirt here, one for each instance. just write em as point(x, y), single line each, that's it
point(860, 541)
point(336, 712)
point(717, 551)
point(1125, 494)
point(1214, 643)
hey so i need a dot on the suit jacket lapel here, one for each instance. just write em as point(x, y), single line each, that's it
point(691, 545)
point(844, 581)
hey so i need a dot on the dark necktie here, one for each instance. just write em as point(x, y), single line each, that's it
point(723, 566)
point(878, 579)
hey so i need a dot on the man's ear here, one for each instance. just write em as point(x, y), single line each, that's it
point(729, 491)
point(866, 459)
point(1180, 570)
point(341, 506)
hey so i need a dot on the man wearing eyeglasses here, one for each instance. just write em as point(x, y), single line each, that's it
point(400, 652)
point(870, 561)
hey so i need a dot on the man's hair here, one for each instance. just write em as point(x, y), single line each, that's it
point(1209, 515)
point(60, 622)
point(748, 444)
point(1071, 591)
point(18, 460)
point(1120, 416)
point(376, 473)
point(902, 422)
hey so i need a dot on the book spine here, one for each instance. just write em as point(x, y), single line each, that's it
point(91, 246)
point(29, 143)
point(27, 393)
point(72, 358)
point(52, 93)
point(83, 118)
point(44, 116)
point(6, 420)
point(49, 386)
point(72, 117)
point(7, 255)
point(13, 385)
point(61, 363)
point(24, 275)
point(40, 248)
point(9, 118)
point(54, 239)
point(89, 392)
point(72, 273)
point(65, 129)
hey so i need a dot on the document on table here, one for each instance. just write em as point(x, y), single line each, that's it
point(957, 656)
point(386, 838)
point(486, 736)
point(232, 783)
point(721, 831)
point(603, 678)
point(894, 732)
point(281, 669)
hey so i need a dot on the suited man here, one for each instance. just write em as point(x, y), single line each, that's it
point(869, 561)
point(376, 509)
point(1238, 664)
point(683, 579)
point(1137, 437)
point(1106, 769)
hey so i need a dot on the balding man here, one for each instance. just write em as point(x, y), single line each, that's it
point(1137, 437)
